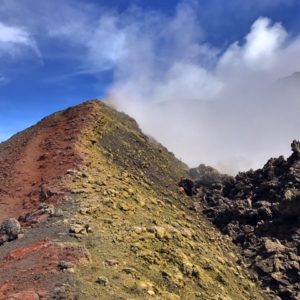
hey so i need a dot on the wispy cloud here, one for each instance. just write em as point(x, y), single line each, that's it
point(16, 44)
point(14, 41)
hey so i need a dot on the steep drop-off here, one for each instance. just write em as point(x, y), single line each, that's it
point(102, 217)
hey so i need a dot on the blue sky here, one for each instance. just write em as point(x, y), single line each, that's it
point(51, 57)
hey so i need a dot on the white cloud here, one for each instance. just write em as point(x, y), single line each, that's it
point(113, 44)
point(261, 48)
point(222, 110)
point(263, 42)
point(15, 40)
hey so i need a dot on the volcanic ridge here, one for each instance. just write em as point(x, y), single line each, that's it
point(91, 208)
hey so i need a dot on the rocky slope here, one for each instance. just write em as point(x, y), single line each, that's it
point(101, 217)
point(259, 210)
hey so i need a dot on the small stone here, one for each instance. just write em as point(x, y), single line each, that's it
point(80, 229)
point(186, 233)
point(50, 209)
point(265, 265)
point(273, 246)
point(151, 293)
point(278, 277)
point(21, 235)
point(125, 194)
point(160, 232)
point(71, 270)
point(288, 195)
point(64, 265)
point(83, 211)
point(139, 229)
point(59, 213)
point(277, 264)
point(294, 256)
point(294, 265)
point(77, 228)
point(129, 270)
point(131, 191)
point(124, 207)
point(111, 262)
point(88, 228)
point(221, 278)
point(60, 289)
point(102, 281)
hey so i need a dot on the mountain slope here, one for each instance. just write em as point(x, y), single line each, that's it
point(103, 217)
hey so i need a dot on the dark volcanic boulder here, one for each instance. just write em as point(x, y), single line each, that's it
point(10, 229)
point(295, 149)
point(208, 177)
point(188, 186)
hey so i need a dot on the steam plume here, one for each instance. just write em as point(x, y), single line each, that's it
point(223, 108)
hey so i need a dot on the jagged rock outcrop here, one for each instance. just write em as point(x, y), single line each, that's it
point(260, 211)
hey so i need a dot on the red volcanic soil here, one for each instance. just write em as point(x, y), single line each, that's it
point(33, 168)
point(30, 270)
point(33, 163)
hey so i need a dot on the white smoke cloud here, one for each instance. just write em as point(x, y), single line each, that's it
point(260, 50)
point(208, 106)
